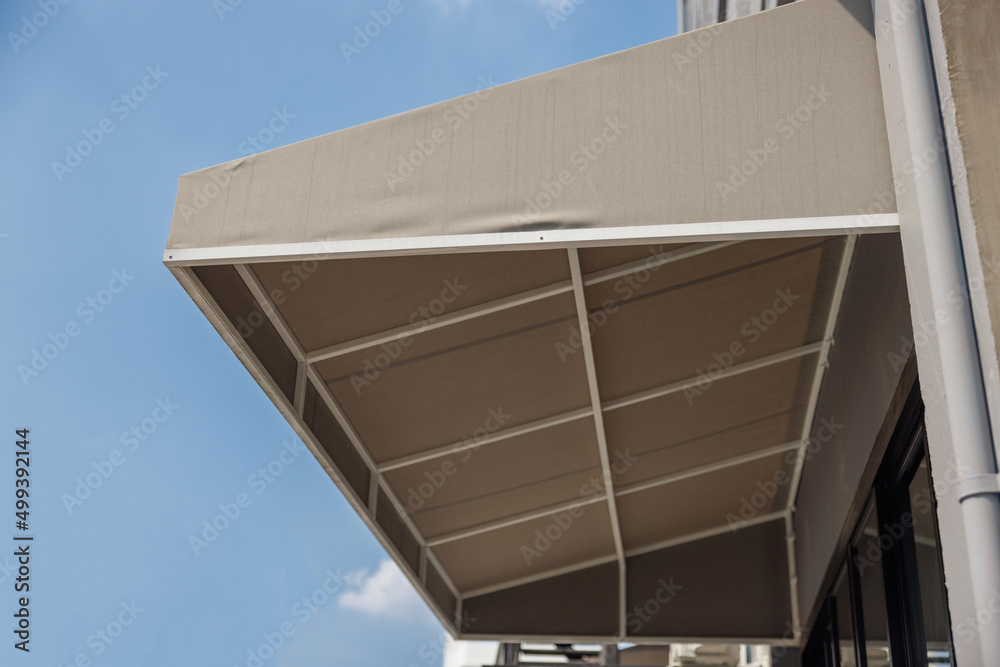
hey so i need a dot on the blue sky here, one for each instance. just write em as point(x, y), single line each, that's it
point(120, 377)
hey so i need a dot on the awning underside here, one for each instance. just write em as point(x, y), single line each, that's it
point(464, 382)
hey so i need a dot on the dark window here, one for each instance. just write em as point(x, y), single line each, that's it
point(932, 599)
point(872, 609)
point(913, 561)
point(821, 651)
point(841, 602)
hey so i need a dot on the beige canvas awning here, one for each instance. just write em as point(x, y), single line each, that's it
point(562, 355)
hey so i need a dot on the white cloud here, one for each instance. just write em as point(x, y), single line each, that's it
point(385, 592)
point(462, 653)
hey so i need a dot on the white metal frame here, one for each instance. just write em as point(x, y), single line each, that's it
point(733, 230)
point(583, 321)
point(614, 404)
point(706, 237)
point(512, 301)
point(644, 485)
point(807, 424)
point(638, 551)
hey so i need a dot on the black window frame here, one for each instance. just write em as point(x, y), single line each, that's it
point(907, 641)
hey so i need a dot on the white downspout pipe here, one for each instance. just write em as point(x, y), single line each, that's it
point(960, 367)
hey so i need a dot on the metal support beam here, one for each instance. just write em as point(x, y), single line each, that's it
point(654, 261)
point(793, 574)
point(694, 232)
point(301, 373)
point(513, 301)
point(817, 383)
point(624, 491)
point(638, 551)
point(732, 371)
point(540, 576)
point(513, 520)
point(475, 443)
point(649, 394)
point(707, 468)
point(439, 321)
point(602, 443)
point(705, 534)
point(373, 486)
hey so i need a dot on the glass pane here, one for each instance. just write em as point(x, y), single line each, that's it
point(845, 631)
point(932, 601)
point(869, 564)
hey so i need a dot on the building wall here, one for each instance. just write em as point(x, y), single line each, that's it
point(965, 38)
